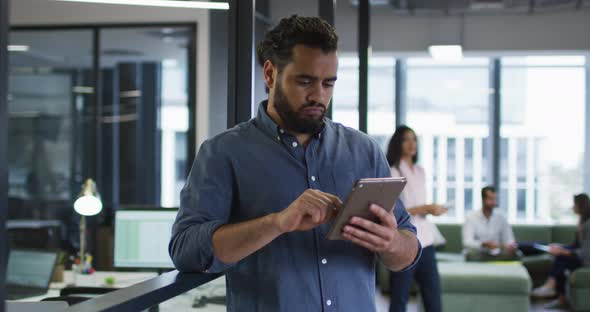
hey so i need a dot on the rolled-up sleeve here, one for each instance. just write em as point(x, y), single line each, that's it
point(403, 218)
point(404, 222)
point(205, 205)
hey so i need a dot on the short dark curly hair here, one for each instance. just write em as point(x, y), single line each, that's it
point(486, 190)
point(277, 45)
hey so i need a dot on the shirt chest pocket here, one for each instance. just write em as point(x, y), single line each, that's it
point(342, 182)
point(265, 190)
point(338, 175)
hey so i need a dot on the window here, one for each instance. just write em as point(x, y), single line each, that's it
point(150, 108)
point(381, 105)
point(447, 106)
point(345, 101)
point(541, 128)
point(131, 132)
point(542, 136)
point(50, 99)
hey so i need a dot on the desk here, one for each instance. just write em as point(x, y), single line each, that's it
point(122, 280)
point(125, 279)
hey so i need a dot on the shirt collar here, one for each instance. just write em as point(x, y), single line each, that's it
point(271, 128)
point(483, 216)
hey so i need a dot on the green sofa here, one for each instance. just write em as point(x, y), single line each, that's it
point(484, 287)
point(578, 289)
point(537, 266)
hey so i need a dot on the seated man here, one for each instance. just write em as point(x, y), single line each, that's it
point(487, 236)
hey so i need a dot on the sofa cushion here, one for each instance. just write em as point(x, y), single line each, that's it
point(579, 289)
point(452, 234)
point(532, 233)
point(442, 256)
point(580, 278)
point(484, 278)
point(563, 234)
point(484, 302)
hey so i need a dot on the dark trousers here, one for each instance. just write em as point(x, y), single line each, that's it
point(425, 272)
point(528, 248)
point(561, 264)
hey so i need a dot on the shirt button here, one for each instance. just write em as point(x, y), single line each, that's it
point(313, 178)
point(329, 302)
point(278, 138)
point(324, 261)
point(281, 131)
point(294, 144)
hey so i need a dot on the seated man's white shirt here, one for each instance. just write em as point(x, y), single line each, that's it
point(478, 229)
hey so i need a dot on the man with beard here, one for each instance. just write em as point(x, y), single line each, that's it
point(260, 197)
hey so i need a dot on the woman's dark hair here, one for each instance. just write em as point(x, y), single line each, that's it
point(583, 203)
point(394, 149)
point(277, 46)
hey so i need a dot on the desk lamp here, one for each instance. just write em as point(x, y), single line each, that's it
point(88, 203)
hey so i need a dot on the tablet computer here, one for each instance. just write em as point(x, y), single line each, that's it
point(380, 191)
point(541, 247)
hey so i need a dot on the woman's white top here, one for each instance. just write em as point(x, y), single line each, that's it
point(413, 195)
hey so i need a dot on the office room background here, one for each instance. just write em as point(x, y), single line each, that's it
point(125, 95)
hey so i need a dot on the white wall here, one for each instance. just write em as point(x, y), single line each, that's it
point(565, 31)
point(47, 12)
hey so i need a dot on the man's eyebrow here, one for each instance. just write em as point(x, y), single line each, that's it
point(304, 76)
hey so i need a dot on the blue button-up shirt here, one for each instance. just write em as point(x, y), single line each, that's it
point(255, 169)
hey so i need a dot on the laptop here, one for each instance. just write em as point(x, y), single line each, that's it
point(28, 273)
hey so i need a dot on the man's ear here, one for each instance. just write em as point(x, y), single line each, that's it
point(269, 71)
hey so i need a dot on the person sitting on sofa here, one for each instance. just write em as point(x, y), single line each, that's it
point(568, 258)
point(487, 236)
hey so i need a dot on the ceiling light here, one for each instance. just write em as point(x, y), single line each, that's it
point(83, 89)
point(169, 63)
point(446, 53)
point(18, 48)
point(162, 3)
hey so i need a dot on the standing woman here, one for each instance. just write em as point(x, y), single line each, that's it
point(402, 155)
